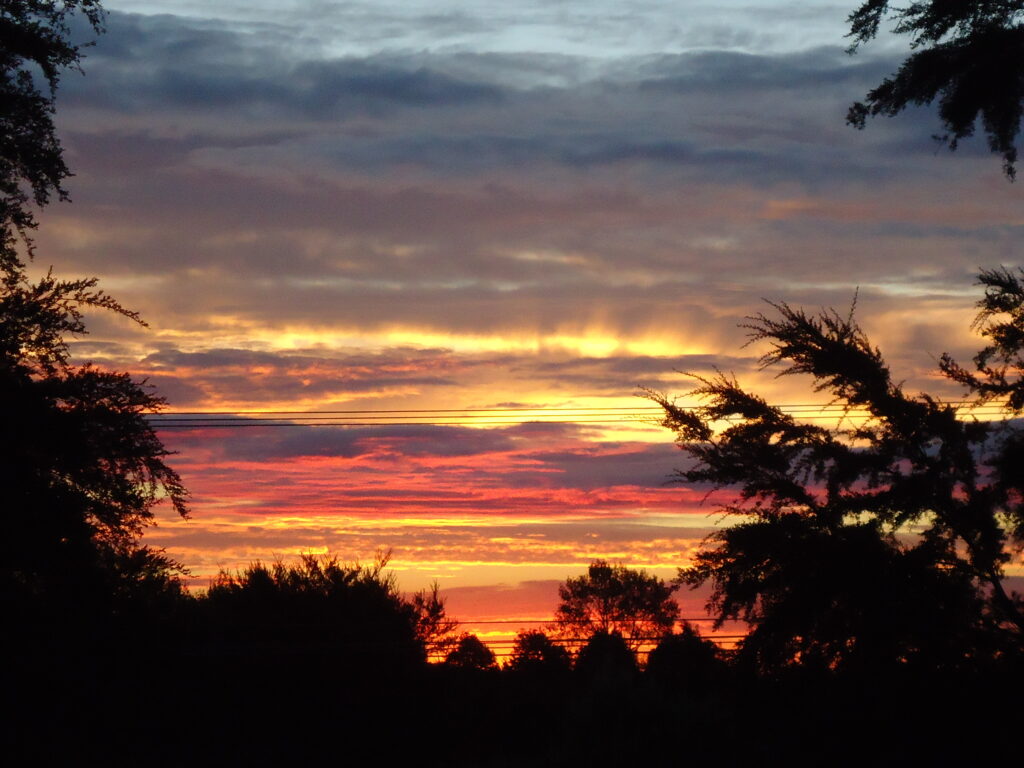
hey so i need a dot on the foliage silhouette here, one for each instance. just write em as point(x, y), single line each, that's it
point(1000, 365)
point(607, 661)
point(968, 56)
point(434, 628)
point(319, 605)
point(34, 38)
point(79, 463)
point(535, 652)
point(613, 598)
point(862, 546)
point(686, 661)
point(470, 653)
point(80, 467)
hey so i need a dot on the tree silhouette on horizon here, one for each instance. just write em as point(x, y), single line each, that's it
point(615, 599)
point(321, 604)
point(867, 545)
point(536, 653)
point(469, 652)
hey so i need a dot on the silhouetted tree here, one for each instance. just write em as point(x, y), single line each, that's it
point(967, 55)
point(471, 653)
point(1000, 365)
point(686, 661)
point(317, 605)
point(434, 628)
point(534, 651)
point(613, 598)
point(999, 373)
point(80, 466)
point(606, 660)
point(876, 544)
point(34, 40)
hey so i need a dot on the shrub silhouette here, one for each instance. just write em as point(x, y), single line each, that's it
point(471, 653)
point(317, 606)
point(606, 661)
point(535, 653)
point(686, 662)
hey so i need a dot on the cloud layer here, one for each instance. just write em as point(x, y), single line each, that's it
point(415, 205)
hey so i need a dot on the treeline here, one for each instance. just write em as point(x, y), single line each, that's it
point(322, 660)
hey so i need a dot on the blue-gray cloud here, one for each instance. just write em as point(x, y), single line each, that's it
point(476, 190)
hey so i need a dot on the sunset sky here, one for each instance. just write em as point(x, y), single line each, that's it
point(411, 205)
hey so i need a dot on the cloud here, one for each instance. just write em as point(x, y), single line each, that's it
point(395, 205)
point(395, 442)
point(339, 183)
point(171, 63)
point(321, 378)
point(597, 29)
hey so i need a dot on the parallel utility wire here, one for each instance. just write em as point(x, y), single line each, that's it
point(463, 417)
point(576, 641)
point(502, 646)
point(577, 622)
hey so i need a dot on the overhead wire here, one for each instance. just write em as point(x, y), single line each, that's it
point(568, 621)
point(529, 408)
point(449, 417)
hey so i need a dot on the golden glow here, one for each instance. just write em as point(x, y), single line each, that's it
point(226, 330)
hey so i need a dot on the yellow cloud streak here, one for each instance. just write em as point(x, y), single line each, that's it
point(221, 330)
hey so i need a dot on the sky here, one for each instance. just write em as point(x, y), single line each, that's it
point(328, 206)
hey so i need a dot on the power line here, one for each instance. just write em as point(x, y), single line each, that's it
point(582, 641)
point(456, 417)
point(237, 424)
point(268, 423)
point(519, 409)
point(428, 410)
point(504, 648)
point(565, 621)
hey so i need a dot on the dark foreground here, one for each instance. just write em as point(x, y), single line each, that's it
point(181, 706)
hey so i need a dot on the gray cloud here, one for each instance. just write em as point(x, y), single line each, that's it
point(163, 62)
point(230, 171)
point(348, 169)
